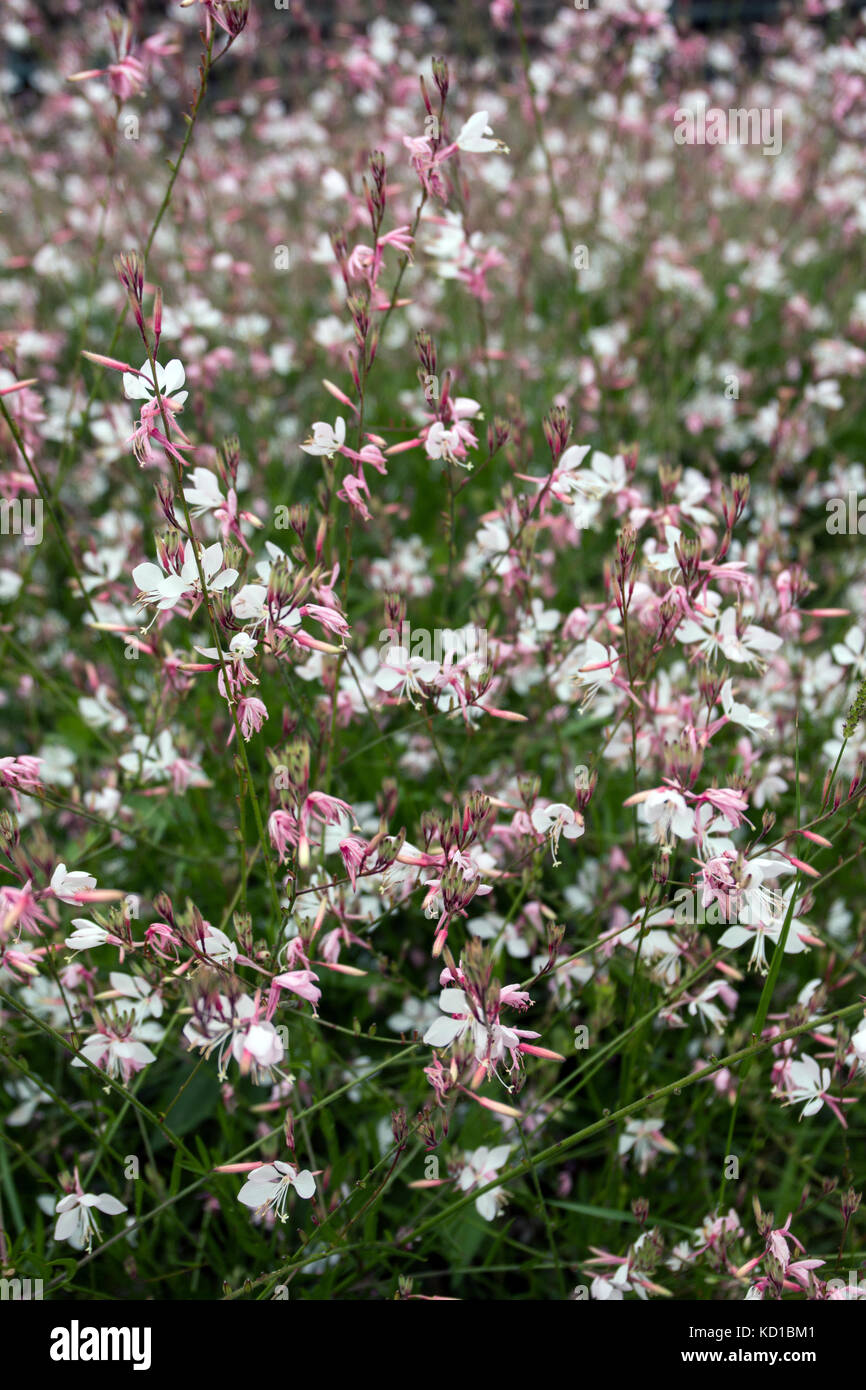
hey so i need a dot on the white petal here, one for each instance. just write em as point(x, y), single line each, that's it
point(735, 936)
point(67, 1223)
point(443, 1031)
point(305, 1184)
point(223, 581)
point(255, 1194)
point(109, 1204)
point(173, 377)
point(148, 577)
point(388, 678)
point(485, 1205)
point(453, 1001)
point(498, 1156)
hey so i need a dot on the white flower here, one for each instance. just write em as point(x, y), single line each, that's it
point(267, 1188)
point(219, 947)
point(146, 1001)
point(75, 1217)
point(858, 1042)
point(416, 1013)
point(666, 811)
point(614, 1289)
point(105, 802)
point(555, 820)
point(808, 1082)
point(211, 564)
point(29, 1097)
point(204, 495)
point(647, 1140)
point(538, 621)
point(741, 714)
point(750, 645)
point(149, 758)
point(664, 560)
point(770, 930)
point(104, 565)
point(86, 935)
point(446, 1030)
point(441, 443)
point(10, 584)
point(255, 1044)
point(719, 633)
point(473, 137)
point(65, 885)
point(258, 1047)
point(57, 763)
point(482, 1167)
point(162, 587)
point(571, 460)
point(709, 1012)
point(165, 588)
point(169, 380)
point(118, 1057)
point(490, 1040)
point(825, 394)
point(402, 675)
point(604, 476)
point(250, 604)
point(241, 648)
point(598, 668)
point(98, 711)
point(326, 440)
point(851, 653)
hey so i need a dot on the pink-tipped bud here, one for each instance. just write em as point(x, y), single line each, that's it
point(817, 839)
point(111, 362)
point(338, 394)
point(18, 386)
point(804, 868)
point(497, 1106)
